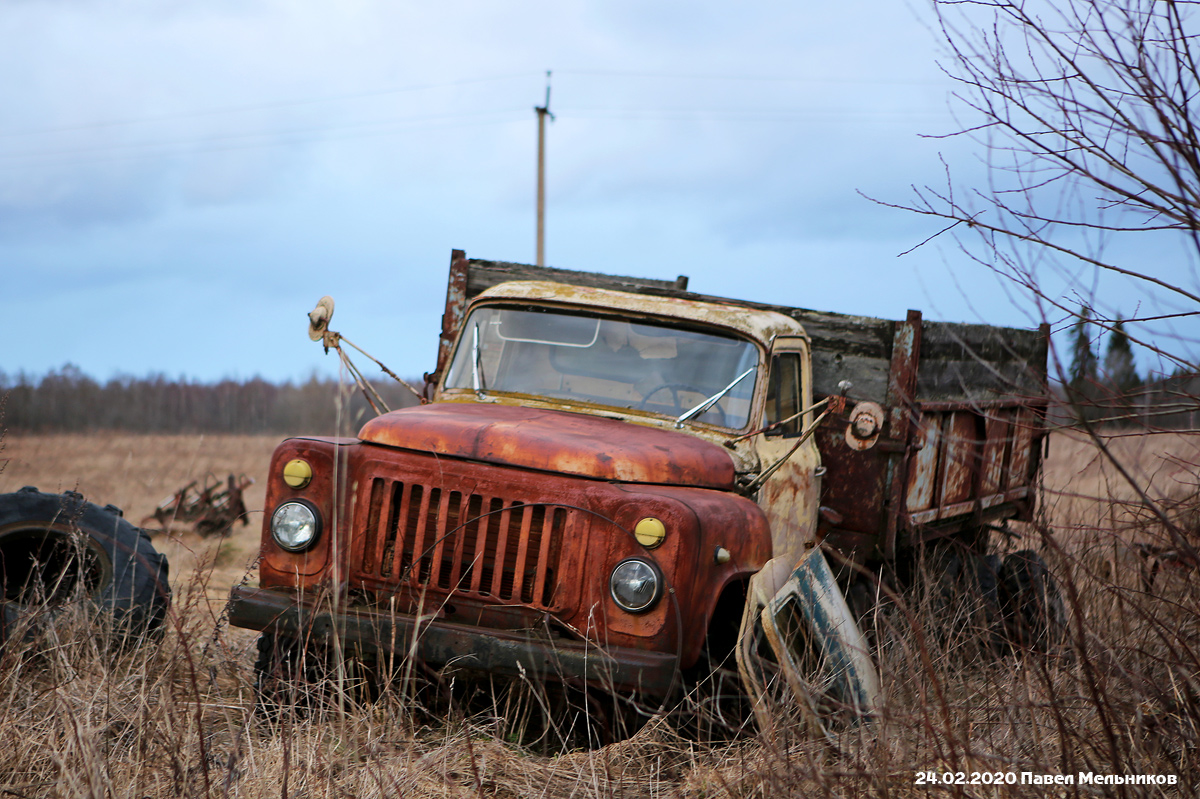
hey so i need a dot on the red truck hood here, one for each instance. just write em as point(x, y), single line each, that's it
point(554, 441)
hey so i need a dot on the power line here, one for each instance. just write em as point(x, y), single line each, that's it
point(394, 125)
point(256, 106)
point(747, 115)
point(278, 104)
point(270, 138)
point(616, 73)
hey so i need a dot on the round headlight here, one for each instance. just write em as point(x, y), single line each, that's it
point(295, 525)
point(635, 585)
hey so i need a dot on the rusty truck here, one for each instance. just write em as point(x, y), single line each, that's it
point(616, 482)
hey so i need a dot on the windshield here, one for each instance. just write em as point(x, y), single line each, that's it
point(596, 359)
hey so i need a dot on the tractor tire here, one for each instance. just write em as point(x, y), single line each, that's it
point(1035, 616)
point(58, 549)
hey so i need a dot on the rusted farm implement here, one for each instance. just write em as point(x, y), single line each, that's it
point(211, 507)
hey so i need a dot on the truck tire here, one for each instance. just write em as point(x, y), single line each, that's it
point(292, 675)
point(277, 677)
point(1035, 616)
point(58, 549)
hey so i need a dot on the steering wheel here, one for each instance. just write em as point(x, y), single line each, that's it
point(675, 389)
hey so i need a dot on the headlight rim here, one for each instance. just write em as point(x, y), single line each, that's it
point(317, 525)
point(659, 585)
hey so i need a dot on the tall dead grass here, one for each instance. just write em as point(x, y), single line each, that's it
point(1116, 695)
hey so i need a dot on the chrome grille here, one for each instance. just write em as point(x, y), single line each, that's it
point(493, 547)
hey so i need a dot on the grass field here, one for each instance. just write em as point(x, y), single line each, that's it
point(1121, 695)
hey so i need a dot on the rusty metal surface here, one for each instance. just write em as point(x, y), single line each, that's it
point(533, 655)
point(853, 486)
point(923, 465)
point(327, 456)
point(478, 543)
point(965, 467)
point(970, 463)
point(456, 308)
point(413, 554)
point(487, 530)
point(760, 325)
point(819, 648)
point(553, 441)
point(995, 448)
point(1025, 423)
point(878, 496)
point(961, 443)
point(902, 388)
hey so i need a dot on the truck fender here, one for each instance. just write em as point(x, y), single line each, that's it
point(818, 649)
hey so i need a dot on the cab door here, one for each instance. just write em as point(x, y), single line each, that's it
point(789, 497)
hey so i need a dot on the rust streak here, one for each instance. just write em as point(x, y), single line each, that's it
point(522, 552)
point(543, 561)
point(501, 548)
point(417, 524)
point(441, 531)
point(480, 554)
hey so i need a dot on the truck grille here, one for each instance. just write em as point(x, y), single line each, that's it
point(492, 547)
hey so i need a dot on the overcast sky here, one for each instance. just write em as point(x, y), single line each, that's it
point(181, 181)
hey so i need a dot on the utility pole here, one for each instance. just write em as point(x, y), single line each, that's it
point(543, 111)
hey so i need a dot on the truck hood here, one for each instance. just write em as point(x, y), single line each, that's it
point(555, 441)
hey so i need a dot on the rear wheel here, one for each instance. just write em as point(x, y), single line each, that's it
point(1035, 616)
point(58, 549)
point(955, 588)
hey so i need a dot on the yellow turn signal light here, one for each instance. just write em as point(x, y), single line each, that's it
point(297, 473)
point(650, 532)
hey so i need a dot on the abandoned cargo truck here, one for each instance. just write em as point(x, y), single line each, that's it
point(616, 482)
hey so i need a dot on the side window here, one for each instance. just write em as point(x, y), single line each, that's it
point(783, 394)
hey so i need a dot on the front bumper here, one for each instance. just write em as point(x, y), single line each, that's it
point(442, 643)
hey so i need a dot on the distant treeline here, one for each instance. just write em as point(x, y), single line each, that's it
point(68, 401)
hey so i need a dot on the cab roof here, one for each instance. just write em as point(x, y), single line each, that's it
point(762, 326)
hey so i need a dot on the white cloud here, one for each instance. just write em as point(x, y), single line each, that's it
point(254, 155)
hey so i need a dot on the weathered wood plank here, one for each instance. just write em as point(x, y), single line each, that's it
point(485, 274)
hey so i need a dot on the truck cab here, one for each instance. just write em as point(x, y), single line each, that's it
point(575, 489)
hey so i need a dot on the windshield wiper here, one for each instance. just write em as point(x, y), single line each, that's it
point(711, 401)
point(476, 380)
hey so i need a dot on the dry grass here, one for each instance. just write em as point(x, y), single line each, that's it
point(1119, 695)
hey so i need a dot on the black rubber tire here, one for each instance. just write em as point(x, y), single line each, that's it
point(59, 548)
point(291, 675)
point(275, 675)
point(964, 600)
point(1035, 616)
point(987, 582)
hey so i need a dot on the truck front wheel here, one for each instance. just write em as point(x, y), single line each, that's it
point(306, 676)
point(287, 674)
